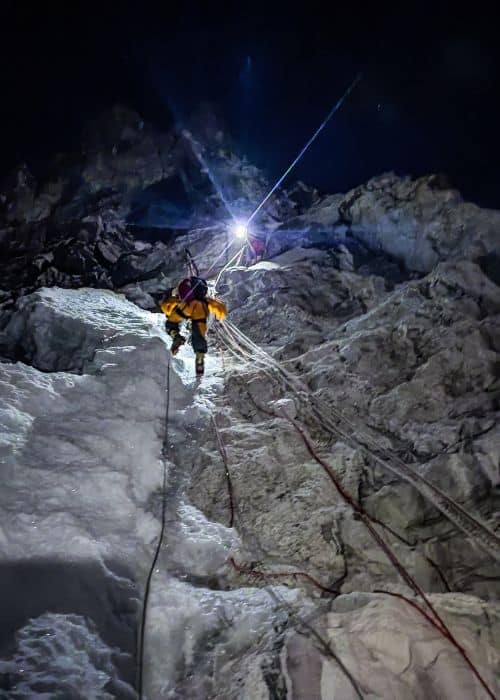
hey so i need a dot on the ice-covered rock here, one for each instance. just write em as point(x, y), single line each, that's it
point(63, 656)
point(82, 471)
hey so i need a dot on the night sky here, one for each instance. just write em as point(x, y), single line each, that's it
point(428, 101)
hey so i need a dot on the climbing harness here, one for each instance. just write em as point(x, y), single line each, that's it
point(143, 621)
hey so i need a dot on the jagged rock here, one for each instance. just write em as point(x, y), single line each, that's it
point(395, 361)
point(123, 152)
point(391, 651)
point(108, 251)
point(136, 267)
point(419, 222)
point(95, 456)
point(23, 201)
point(303, 196)
point(73, 259)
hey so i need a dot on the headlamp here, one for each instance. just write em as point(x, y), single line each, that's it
point(239, 230)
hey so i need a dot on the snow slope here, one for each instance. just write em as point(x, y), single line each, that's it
point(81, 462)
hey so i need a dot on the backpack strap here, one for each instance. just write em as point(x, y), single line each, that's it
point(180, 312)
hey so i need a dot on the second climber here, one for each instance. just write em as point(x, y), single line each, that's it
point(191, 303)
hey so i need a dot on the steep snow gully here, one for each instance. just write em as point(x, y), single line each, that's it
point(83, 450)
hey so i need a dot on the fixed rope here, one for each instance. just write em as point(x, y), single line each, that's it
point(242, 568)
point(479, 532)
point(437, 620)
point(262, 576)
point(433, 616)
point(143, 622)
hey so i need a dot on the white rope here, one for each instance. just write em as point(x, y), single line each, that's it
point(470, 525)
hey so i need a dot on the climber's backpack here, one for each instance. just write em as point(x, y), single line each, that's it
point(199, 288)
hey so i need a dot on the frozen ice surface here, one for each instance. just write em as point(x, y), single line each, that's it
point(198, 545)
point(62, 656)
point(80, 457)
point(196, 635)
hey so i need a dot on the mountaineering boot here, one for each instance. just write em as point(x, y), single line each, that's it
point(200, 364)
point(179, 340)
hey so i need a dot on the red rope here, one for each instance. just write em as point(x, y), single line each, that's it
point(248, 570)
point(438, 622)
point(223, 454)
point(446, 633)
point(262, 575)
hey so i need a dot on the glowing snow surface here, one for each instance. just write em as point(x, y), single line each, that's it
point(80, 457)
point(62, 656)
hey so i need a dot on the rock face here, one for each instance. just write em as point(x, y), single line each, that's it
point(421, 222)
point(416, 367)
point(82, 223)
point(418, 222)
point(83, 431)
point(296, 559)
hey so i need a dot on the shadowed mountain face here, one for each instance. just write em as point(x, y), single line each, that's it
point(105, 215)
point(367, 340)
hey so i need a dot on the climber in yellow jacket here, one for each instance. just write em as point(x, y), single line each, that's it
point(191, 303)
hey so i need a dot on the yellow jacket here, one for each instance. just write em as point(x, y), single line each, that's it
point(195, 310)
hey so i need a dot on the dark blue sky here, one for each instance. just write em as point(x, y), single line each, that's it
point(428, 100)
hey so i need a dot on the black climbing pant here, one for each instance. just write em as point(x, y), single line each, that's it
point(198, 340)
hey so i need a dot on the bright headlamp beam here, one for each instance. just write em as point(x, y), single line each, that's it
point(313, 138)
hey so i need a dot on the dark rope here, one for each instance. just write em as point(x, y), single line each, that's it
point(446, 633)
point(250, 571)
point(223, 454)
point(436, 618)
point(263, 575)
point(142, 632)
point(323, 643)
